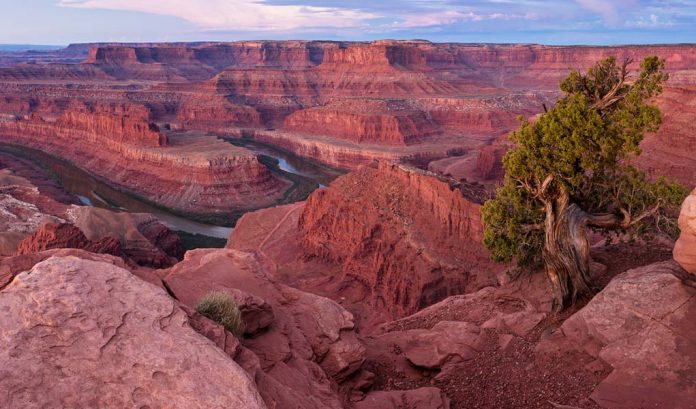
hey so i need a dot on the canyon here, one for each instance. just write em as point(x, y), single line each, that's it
point(354, 175)
point(340, 103)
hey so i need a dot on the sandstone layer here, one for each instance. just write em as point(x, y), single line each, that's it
point(203, 175)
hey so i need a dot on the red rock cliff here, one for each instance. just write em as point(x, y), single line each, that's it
point(409, 237)
point(123, 123)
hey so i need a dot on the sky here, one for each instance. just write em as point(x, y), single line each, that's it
point(60, 22)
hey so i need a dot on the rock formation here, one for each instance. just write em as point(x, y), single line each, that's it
point(343, 103)
point(410, 238)
point(300, 344)
point(641, 325)
point(65, 235)
point(374, 293)
point(685, 247)
point(124, 123)
point(218, 177)
point(103, 337)
point(144, 239)
point(34, 221)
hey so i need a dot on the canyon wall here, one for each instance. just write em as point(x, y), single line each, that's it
point(342, 103)
point(200, 175)
point(409, 237)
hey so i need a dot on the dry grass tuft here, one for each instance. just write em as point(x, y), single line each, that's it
point(222, 308)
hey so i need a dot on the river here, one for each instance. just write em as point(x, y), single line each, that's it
point(90, 191)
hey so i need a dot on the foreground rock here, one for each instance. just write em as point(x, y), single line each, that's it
point(642, 325)
point(685, 247)
point(299, 346)
point(104, 338)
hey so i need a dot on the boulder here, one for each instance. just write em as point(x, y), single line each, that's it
point(101, 337)
point(445, 341)
point(643, 325)
point(685, 247)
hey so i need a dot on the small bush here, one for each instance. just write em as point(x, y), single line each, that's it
point(222, 308)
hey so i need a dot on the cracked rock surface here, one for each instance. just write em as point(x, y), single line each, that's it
point(642, 325)
point(83, 334)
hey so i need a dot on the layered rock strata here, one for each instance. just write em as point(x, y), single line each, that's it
point(409, 237)
point(343, 103)
point(199, 175)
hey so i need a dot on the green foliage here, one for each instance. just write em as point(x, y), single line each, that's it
point(221, 308)
point(584, 145)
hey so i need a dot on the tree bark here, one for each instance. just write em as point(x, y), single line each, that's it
point(566, 251)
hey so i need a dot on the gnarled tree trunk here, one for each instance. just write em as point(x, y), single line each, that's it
point(566, 252)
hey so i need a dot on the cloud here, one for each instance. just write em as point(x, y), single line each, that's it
point(452, 17)
point(608, 9)
point(652, 21)
point(241, 15)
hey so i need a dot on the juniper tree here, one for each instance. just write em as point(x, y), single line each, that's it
point(571, 170)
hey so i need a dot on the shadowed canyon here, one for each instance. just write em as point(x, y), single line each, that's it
point(333, 190)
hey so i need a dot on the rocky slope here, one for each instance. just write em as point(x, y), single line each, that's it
point(298, 345)
point(386, 240)
point(32, 220)
point(493, 346)
point(409, 238)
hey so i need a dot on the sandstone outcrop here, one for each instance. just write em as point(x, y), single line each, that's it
point(641, 325)
point(408, 237)
point(123, 123)
point(297, 354)
point(392, 123)
point(65, 235)
point(108, 339)
point(203, 174)
point(144, 239)
point(685, 247)
point(27, 213)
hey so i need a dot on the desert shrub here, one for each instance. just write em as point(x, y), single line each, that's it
point(222, 308)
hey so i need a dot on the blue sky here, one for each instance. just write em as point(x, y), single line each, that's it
point(499, 21)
